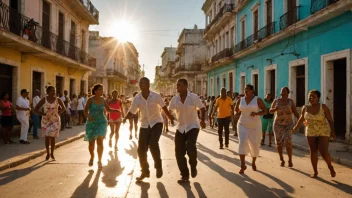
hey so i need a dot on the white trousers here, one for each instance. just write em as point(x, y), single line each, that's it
point(249, 140)
point(24, 127)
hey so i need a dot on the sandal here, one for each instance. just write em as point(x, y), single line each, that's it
point(332, 171)
point(314, 175)
point(290, 164)
point(90, 162)
point(243, 168)
point(100, 165)
point(282, 162)
point(47, 157)
point(254, 167)
point(52, 157)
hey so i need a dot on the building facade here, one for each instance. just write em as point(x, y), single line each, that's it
point(300, 44)
point(45, 43)
point(191, 59)
point(164, 83)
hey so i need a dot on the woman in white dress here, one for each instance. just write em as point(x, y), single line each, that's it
point(249, 126)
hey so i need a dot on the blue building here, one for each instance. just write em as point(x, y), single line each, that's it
point(301, 44)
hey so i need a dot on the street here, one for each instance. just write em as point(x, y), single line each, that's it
point(70, 176)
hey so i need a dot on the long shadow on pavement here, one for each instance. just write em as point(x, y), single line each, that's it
point(199, 189)
point(144, 188)
point(11, 176)
point(84, 190)
point(187, 187)
point(341, 186)
point(112, 170)
point(284, 185)
point(162, 190)
point(244, 182)
point(132, 151)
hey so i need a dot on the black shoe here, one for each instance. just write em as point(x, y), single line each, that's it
point(183, 180)
point(194, 172)
point(227, 146)
point(21, 141)
point(143, 175)
point(36, 137)
point(159, 173)
point(24, 142)
point(221, 147)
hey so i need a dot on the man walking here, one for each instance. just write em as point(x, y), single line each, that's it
point(35, 117)
point(185, 105)
point(148, 103)
point(22, 110)
point(226, 109)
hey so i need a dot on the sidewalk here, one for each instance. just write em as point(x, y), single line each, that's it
point(14, 154)
point(340, 153)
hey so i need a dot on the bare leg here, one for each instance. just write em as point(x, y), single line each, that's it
point(324, 152)
point(8, 134)
point(279, 150)
point(313, 146)
point(117, 135)
point(47, 142)
point(243, 164)
point(112, 132)
point(131, 127)
point(263, 138)
point(52, 141)
point(289, 153)
point(254, 167)
point(91, 149)
point(270, 138)
point(100, 148)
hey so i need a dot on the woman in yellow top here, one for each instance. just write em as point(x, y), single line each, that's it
point(318, 131)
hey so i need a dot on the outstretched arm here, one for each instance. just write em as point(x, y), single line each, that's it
point(300, 120)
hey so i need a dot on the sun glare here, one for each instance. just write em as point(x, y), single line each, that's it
point(124, 31)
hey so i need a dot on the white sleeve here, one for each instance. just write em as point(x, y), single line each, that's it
point(172, 105)
point(18, 102)
point(160, 101)
point(199, 103)
point(134, 106)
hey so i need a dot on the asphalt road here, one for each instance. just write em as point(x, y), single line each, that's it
point(70, 176)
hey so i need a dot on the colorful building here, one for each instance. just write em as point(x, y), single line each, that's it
point(45, 43)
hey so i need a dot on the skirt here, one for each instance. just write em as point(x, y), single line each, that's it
point(249, 139)
point(6, 121)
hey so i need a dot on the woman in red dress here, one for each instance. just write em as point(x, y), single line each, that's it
point(115, 118)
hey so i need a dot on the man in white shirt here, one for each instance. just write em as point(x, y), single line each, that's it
point(148, 103)
point(35, 117)
point(185, 105)
point(22, 109)
point(80, 109)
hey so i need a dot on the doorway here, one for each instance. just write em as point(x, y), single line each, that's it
point(59, 85)
point(37, 82)
point(83, 87)
point(6, 73)
point(339, 104)
point(72, 87)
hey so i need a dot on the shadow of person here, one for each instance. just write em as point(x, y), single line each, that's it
point(144, 188)
point(162, 190)
point(84, 190)
point(112, 170)
point(284, 185)
point(341, 186)
point(132, 151)
point(11, 176)
point(212, 132)
point(199, 189)
point(188, 189)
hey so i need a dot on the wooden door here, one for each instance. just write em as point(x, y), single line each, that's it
point(46, 25)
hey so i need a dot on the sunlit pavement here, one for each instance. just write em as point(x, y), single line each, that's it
point(218, 176)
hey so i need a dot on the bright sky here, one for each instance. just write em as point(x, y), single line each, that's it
point(154, 24)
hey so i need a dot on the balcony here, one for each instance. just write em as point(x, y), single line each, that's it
point(289, 18)
point(317, 5)
point(25, 35)
point(86, 9)
point(115, 73)
point(265, 31)
point(190, 69)
point(223, 54)
point(226, 9)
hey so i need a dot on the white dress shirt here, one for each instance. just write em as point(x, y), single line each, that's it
point(186, 113)
point(24, 103)
point(80, 105)
point(36, 100)
point(149, 109)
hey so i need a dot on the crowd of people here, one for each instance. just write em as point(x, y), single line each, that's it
point(252, 119)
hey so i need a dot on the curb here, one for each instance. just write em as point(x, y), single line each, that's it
point(39, 153)
point(341, 161)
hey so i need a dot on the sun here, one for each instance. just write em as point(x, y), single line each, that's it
point(124, 31)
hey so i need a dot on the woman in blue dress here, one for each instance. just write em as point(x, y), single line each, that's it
point(97, 123)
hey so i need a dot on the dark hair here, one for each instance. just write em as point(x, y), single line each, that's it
point(95, 88)
point(49, 88)
point(114, 92)
point(4, 94)
point(135, 93)
point(251, 87)
point(183, 81)
point(74, 96)
point(316, 92)
point(144, 78)
point(287, 89)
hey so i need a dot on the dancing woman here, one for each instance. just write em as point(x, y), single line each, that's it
point(96, 125)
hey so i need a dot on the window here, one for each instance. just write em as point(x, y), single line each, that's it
point(61, 25)
point(255, 24)
point(73, 33)
point(242, 82)
point(211, 87)
point(46, 25)
point(232, 41)
point(231, 81)
point(298, 83)
point(270, 80)
point(255, 80)
point(243, 29)
point(227, 43)
point(217, 86)
point(83, 40)
point(269, 11)
point(224, 81)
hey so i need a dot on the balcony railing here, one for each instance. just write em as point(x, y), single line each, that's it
point(223, 54)
point(20, 25)
point(91, 9)
point(266, 31)
point(226, 8)
point(289, 18)
point(185, 69)
point(317, 5)
point(114, 72)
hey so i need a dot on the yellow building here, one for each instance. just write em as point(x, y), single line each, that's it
point(45, 43)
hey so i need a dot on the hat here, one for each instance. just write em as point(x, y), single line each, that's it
point(24, 91)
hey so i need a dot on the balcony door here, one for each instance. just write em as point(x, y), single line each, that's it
point(73, 40)
point(46, 25)
point(291, 12)
point(60, 41)
point(15, 17)
point(255, 24)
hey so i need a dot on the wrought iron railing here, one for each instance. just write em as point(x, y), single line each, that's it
point(20, 25)
point(114, 72)
point(289, 18)
point(226, 8)
point(266, 31)
point(317, 5)
point(223, 54)
point(189, 68)
point(91, 9)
